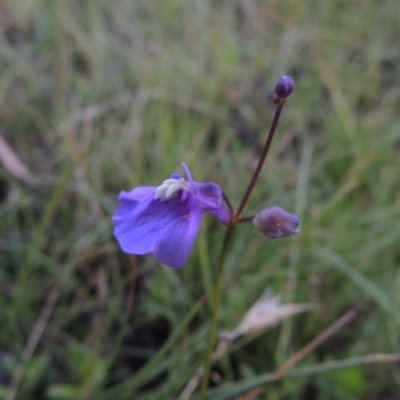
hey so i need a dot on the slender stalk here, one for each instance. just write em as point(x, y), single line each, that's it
point(245, 219)
point(214, 319)
point(228, 203)
point(283, 89)
point(261, 160)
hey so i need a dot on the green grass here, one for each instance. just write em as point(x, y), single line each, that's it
point(98, 97)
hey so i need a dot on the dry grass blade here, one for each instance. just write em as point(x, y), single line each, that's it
point(89, 114)
point(264, 314)
point(33, 341)
point(13, 164)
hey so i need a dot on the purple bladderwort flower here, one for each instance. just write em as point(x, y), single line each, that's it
point(276, 222)
point(165, 220)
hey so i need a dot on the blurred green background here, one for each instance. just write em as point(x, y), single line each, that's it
point(100, 96)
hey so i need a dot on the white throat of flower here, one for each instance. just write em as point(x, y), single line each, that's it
point(170, 187)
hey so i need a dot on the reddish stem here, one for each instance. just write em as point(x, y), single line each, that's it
point(228, 203)
point(260, 162)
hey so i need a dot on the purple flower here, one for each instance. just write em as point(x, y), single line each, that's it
point(165, 220)
point(276, 222)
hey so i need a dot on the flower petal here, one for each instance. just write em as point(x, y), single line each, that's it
point(209, 195)
point(166, 228)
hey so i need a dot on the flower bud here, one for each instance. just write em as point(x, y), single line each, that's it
point(276, 222)
point(283, 89)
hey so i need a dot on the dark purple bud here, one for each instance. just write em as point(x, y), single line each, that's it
point(276, 222)
point(284, 87)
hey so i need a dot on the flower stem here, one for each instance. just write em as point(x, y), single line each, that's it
point(227, 239)
point(214, 319)
point(261, 160)
point(245, 219)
